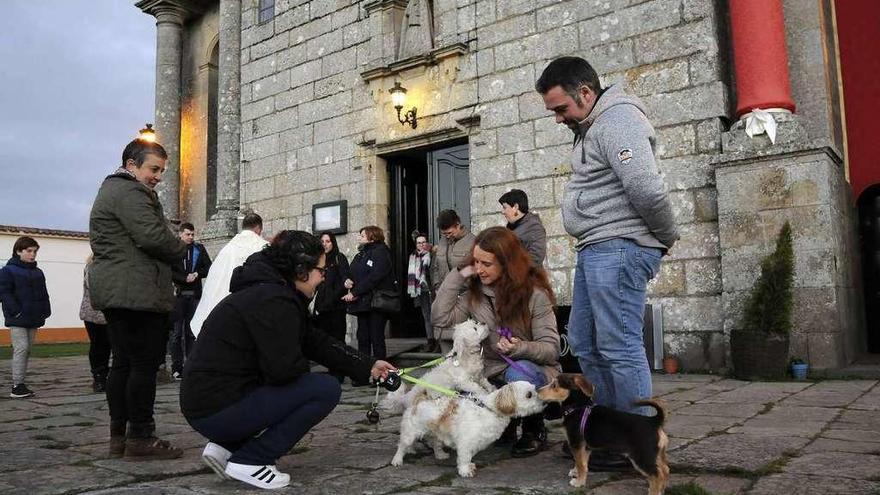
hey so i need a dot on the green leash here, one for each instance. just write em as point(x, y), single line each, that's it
point(403, 372)
point(429, 364)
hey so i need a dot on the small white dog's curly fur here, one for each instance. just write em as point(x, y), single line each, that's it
point(462, 370)
point(462, 424)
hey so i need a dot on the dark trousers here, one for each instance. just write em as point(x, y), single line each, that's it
point(99, 349)
point(138, 340)
point(371, 333)
point(182, 338)
point(333, 324)
point(286, 413)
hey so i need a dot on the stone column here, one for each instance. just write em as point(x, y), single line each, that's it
point(169, 27)
point(760, 56)
point(229, 110)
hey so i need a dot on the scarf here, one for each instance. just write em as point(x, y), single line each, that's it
point(416, 272)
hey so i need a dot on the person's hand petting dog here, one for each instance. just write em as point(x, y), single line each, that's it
point(381, 369)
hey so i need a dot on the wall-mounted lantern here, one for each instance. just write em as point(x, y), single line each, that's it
point(398, 97)
point(147, 134)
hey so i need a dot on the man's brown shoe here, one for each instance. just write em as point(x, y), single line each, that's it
point(144, 449)
point(117, 446)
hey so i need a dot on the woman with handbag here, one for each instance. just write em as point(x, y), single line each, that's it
point(372, 290)
point(329, 307)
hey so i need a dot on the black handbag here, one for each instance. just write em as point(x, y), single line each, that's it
point(386, 300)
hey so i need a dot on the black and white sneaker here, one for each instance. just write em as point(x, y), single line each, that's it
point(268, 477)
point(216, 457)
point(21, 391)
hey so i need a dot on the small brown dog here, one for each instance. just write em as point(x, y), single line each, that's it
point(591, 427)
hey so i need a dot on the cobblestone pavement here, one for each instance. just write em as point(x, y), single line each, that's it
point(727, 436)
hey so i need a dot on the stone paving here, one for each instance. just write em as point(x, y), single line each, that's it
point(728, 436)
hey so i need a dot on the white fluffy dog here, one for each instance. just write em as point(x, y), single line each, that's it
point(462, 370)
point(463, 424)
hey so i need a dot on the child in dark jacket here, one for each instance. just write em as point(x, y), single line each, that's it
point(25, 307)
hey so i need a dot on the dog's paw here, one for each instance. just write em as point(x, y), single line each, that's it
point(577, 483)
point(397, 461)
point(467, 471)
point(573, 472)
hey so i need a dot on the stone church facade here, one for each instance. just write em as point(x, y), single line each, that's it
point(276, 106)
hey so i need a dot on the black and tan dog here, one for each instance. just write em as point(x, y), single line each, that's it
point(591, 427)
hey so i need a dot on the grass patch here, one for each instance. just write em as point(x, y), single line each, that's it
point(690, 488)
point(50, 350)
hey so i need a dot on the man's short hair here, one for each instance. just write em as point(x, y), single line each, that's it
point(138, 150)
point(186, 226)
point(447, 219)
point(252, 221)
point(516, 197)
point(570, 73)
point(22, 243)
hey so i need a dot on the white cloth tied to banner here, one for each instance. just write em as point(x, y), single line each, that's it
point(759, 121)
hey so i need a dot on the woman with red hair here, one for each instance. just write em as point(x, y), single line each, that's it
point(502, 288)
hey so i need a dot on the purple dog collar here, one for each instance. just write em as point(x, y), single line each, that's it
point(584, 417)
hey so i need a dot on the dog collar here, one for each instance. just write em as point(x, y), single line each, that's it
point(584, 415)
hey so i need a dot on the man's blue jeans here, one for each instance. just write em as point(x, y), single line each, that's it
point(607, 316)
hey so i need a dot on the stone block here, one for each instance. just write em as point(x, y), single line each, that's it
point(487, 171)
point(305, 73)
point(510, 8)
point(520, 137)
point(709, 136)
point(698, 240)
point(500, 31)
point(683, 206)
point(484, 144)
point(706, 204)
point(485, 13)
point(506, 84)
point(676, 140)
point(658, 78)
point(295, 96)
point(542, 162)
point(258, 69)
point(609, 57)
point(292, 205)
point(676, 42)
point(628, 22)
point(292, 56)
point(312, 156)
point(272, 45)
point(263, 167)
point(255, 34)
point(692, 313)
point(324, 45)
point(499, 113)
point(345, 16)
point(687, 172)
point(560, 252)
point(355, 33)
point(297, 138)
point(313, 111)
point(703, 276)
point(548, 133)
point(275, 122)
point(670, 280)
point(694, 103)
point(565, 13)
point(260, 147)
point(340, 61)
point(334, 174)
point(251, 111)
point(260, 189)
point(303, 180)
point(291, 18)
point(333, 128)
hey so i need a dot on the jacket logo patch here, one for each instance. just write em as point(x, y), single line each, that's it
point(625, 155)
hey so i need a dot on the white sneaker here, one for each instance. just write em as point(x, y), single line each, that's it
point(216, 458)
point(268, 476)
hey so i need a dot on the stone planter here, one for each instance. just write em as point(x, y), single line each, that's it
point(759, 355)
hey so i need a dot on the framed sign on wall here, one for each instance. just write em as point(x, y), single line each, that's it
point(330, 217)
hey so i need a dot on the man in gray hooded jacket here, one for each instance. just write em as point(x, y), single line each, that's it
point(616, 206)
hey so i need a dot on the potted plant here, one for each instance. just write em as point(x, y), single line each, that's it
point(670, 364)
point(759, 348)
point(799, 368)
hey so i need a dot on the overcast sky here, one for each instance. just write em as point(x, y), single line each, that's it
point(77, 81)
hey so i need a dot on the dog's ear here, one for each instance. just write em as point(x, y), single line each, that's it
point(505, 401)
point(584, 385)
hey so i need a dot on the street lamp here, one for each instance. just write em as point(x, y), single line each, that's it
point(147, 134)
point(398, 97)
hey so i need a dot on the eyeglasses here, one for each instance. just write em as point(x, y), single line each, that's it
point(321, 269)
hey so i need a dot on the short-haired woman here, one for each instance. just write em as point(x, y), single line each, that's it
point(247, 385)
point(502, 288)
point(370, 271)
point(25, 307)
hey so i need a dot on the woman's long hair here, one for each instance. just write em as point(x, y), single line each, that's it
point(519, 279)
point(333, 255)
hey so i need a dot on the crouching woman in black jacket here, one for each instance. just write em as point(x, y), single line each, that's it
point(247, 386)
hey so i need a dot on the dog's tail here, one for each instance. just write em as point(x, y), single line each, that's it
point(660, 417)
point(395, 402)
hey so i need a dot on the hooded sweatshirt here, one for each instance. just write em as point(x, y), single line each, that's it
point(616, 190)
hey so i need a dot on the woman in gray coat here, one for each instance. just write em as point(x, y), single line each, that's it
point(502, 288)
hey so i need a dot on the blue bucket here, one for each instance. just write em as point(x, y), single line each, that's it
point(799, 371)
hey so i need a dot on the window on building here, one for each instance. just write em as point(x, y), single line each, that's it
point(266, 10)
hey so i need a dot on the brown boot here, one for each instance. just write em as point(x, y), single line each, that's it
point(117, 446)
point(144, 449)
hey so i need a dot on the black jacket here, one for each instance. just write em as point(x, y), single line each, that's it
point(329, 295)
point(24, 295)
point(184, 267)
point(258, 335)
point(370, 270)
